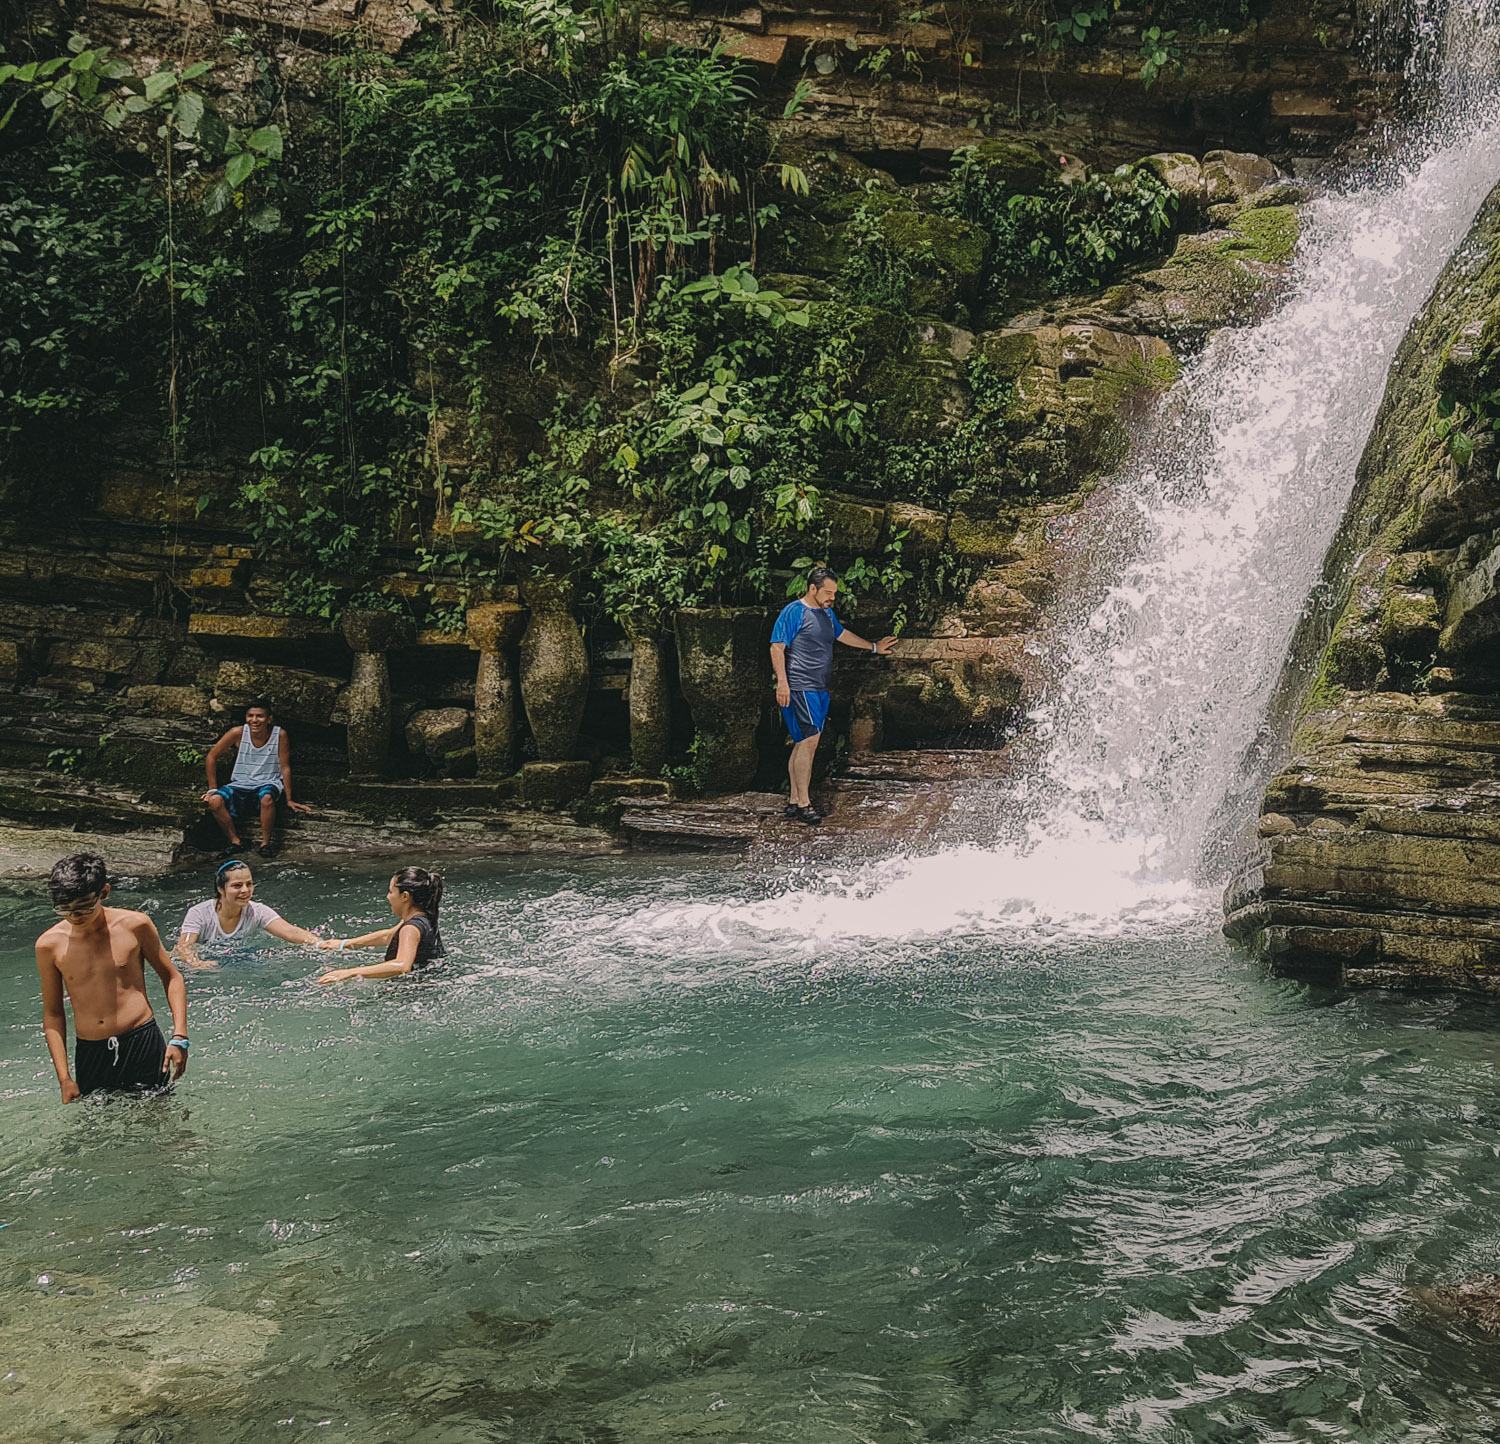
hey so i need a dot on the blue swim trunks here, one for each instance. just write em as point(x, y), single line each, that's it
point(245, 801)
point(806, 715)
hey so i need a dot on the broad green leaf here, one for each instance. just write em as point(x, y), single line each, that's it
point(1461, 447)
point(135, 104)
point(266, 141)
point(217, 197)
point(114, 115)
point(187, 113)
point(194, 71)
point(264, 218)
point(116, 70)
point(213, 132)
point(237, 172)
point(77, 42)
point(158, 84)
point(51, 67)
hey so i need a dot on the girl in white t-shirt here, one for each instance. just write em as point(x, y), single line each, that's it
point(232, 916)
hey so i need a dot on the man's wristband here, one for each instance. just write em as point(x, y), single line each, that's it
point(179, 1043)
point(875, 648)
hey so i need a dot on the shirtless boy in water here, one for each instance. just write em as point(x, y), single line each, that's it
point(96, 953)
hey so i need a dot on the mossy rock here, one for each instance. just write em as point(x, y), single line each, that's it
point(1472, 357)
point(805, 246)
point(1355, 657)
point(1268, 235)
point(840, 208)
point(1180, 173)
point(1410, 622)
point(1010, 352)
point(1016, 166)
point(912, 398)
point(1205, 284)
point(983, 538)
point(925, 529)
point(853, 526)
point(798, 288)
point(829, 173)
point(945, 253)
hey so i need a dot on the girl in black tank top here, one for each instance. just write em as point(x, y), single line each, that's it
point(414, 942)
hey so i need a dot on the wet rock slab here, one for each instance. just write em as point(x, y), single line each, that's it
point(895, 797)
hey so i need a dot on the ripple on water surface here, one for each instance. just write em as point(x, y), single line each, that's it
point(621, 1174)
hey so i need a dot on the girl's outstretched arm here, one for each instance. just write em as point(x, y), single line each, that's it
point(365, 940)
point(290, 932)
point(406, 957)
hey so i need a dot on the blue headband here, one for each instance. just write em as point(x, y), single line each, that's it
point(233, 862)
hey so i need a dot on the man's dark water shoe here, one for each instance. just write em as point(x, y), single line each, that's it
point(810, 815)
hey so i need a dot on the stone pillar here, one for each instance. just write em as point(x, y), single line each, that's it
point(724, 668)
point(371, 635)
point(867, 723)
point(554, 667)
point(650, 705)
point(493, 630)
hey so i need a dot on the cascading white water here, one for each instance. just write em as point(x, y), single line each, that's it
point(1233, 502)
point(1217, 529)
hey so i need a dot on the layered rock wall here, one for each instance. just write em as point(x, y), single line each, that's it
point(1379, 846)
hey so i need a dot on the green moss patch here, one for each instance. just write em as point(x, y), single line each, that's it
point(1268, 235)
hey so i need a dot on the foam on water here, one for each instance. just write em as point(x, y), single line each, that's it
point(1037, 893)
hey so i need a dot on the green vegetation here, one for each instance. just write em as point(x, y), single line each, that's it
point(1467, 410)
point(1059, 237)
point(496, 309)
point(1173, 24)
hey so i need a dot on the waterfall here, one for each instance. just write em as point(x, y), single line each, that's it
point(1153, 740)
point(1157, 726)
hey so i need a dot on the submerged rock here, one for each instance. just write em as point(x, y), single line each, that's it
point(1475, 1301)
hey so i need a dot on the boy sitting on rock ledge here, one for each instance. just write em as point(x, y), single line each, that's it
point(262, 776)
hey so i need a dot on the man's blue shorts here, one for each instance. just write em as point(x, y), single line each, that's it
point(245, 801)
point(806, 715)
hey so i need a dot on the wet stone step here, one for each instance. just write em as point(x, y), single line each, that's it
point(929, 765)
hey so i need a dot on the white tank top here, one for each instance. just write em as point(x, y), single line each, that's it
point(257, 766)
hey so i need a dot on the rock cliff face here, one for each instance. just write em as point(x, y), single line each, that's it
point(1295, 77)
point(1378, 862)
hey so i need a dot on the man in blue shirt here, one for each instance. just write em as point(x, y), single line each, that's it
point(802, 658)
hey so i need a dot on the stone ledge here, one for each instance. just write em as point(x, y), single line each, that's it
point(255, 628)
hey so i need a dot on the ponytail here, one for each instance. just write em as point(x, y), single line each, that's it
point(424, 888)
